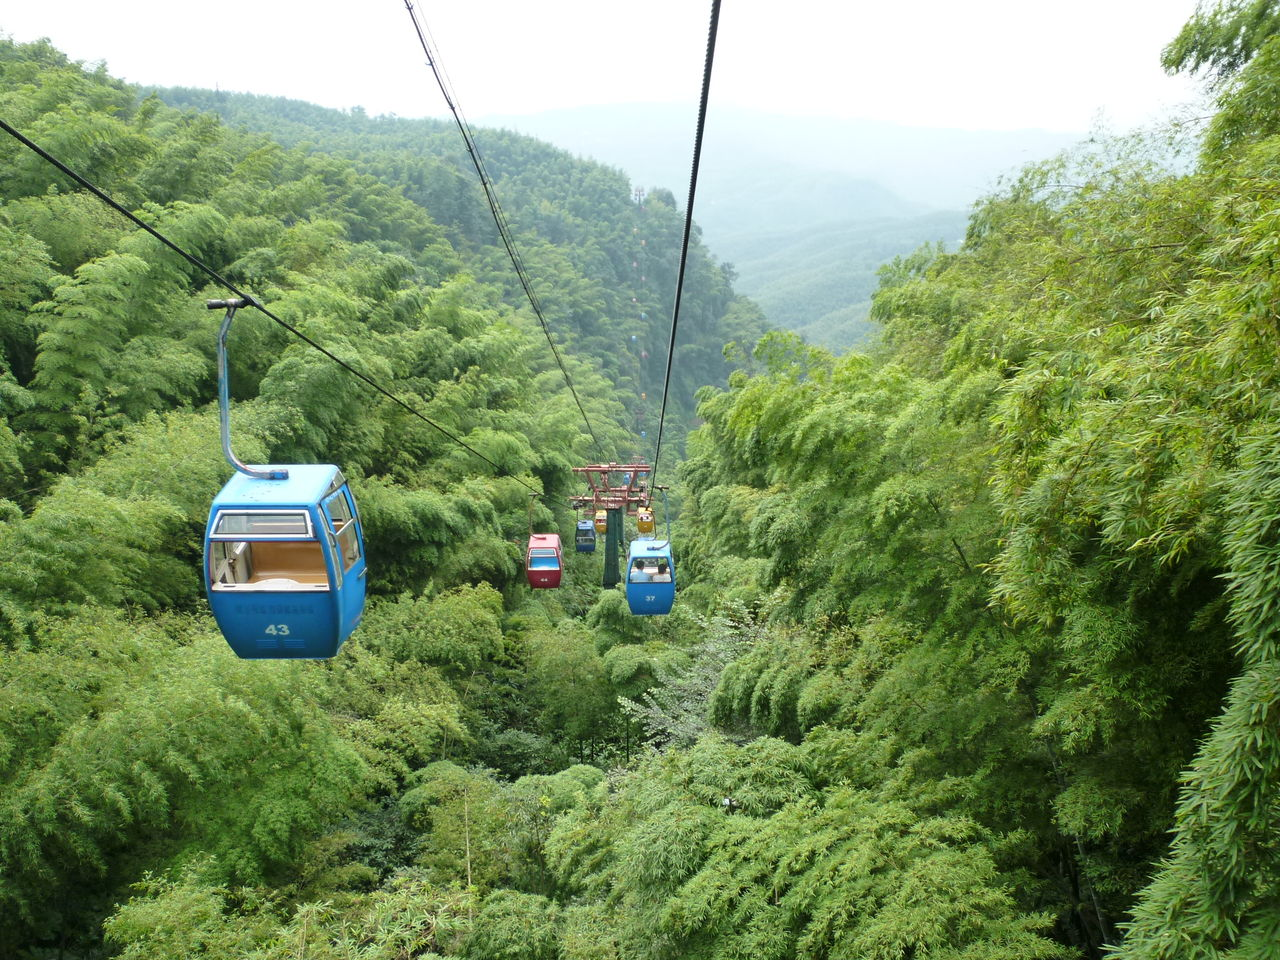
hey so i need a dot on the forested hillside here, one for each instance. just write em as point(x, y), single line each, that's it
point(132, 744)
point(819, 280)
point(975, 655)
point(1021, 565)
point(805, 208)
point(604, 266)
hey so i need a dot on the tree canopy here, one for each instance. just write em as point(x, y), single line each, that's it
point(975, 653)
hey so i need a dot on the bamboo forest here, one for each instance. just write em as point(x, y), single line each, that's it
point(975, 645)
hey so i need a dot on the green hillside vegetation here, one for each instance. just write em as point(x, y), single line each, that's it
point(975, 655)
point(1022, 561)
point(132, 745)
point(805, 208)
point(598, 260)
point(819, 280)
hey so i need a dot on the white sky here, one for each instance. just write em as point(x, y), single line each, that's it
point(975, 64)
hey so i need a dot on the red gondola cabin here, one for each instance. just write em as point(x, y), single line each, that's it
point(543, 562)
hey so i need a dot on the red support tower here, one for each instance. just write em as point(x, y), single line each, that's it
point(615, 486)
point(618, 489)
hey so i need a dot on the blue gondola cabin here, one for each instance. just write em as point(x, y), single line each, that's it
point(585, 541)
point(543, 563)
point(284, 563)
point(651, 577)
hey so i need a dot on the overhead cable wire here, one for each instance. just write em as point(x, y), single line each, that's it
point(251, 301)
point(495, 208)
point(688, 223)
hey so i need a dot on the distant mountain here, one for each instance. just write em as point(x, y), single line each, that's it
point(805, 208)
point(932, 167)
point(819, 280)
point(760, 192)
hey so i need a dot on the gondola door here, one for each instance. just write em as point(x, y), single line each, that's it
point(347, 540)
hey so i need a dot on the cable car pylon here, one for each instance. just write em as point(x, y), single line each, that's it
point(617, 490)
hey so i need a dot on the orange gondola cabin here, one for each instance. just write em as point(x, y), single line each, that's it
point(543, 561)
point(644, 522)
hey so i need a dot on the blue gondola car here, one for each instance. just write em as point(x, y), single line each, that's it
point(651, 577)
point(585, 541)
point(284, 563)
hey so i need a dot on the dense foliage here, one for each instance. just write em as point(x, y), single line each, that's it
point(976, 648)
point(133, 748)
point(819, 280)
point(1029, 545)
point(603, 266)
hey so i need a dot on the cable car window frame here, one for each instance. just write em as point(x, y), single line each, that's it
point(217, 533)
point(336, 484)
point(343, 523)
point(237, 560)
point(335, 553)
point(646, 570)
point(538, 557)
point(254, 580)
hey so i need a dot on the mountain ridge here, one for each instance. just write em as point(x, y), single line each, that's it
point(806, 209)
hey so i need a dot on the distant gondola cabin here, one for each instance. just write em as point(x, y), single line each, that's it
point(585, 541)
point(602, 521)
point(644, 521)
point(543, 562)
point(284, 563)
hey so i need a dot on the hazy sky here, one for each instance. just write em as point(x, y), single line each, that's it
point(976, 64)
